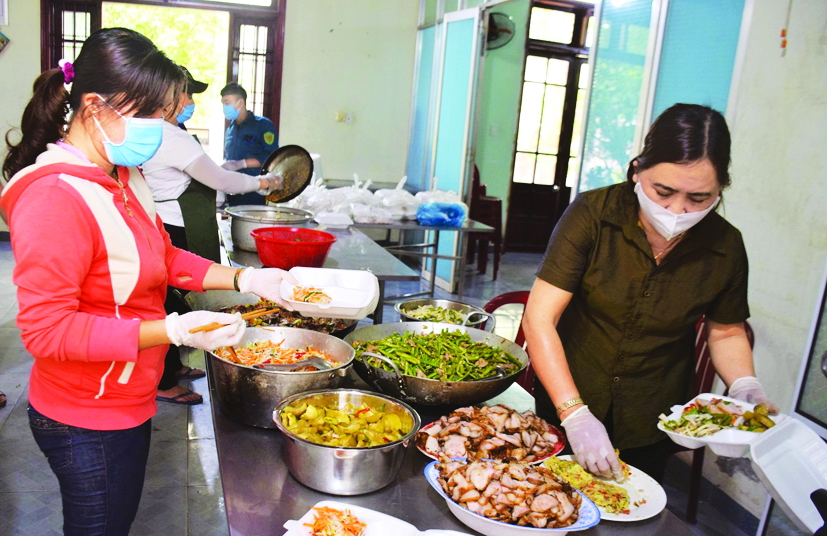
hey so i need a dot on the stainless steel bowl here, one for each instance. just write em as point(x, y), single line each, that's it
point(248, 395)
point(474, 316)
point(246, 218)
point(342, 470)
point(424, 391)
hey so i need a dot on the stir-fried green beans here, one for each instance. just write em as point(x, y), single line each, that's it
point(446, 356)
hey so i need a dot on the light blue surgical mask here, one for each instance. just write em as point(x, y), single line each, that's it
point(231, 112)
point(186, 113)
point(142, 138)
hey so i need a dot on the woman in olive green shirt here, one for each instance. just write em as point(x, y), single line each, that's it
point(629, 271)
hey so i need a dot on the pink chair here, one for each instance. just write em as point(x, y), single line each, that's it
point(526, 378)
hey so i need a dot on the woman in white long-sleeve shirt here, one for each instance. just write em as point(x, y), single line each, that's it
point(184, 181)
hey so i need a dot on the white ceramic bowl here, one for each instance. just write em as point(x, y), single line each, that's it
point(730, 442)
point(589, 515)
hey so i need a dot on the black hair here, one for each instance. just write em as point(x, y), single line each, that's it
point(233, 88)
point(683, 134)
point(125, 68)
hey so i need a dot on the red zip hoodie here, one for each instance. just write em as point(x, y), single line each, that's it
point(92, 259)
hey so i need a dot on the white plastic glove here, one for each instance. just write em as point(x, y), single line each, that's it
point(266, 283)
point(234, 165)
point(179, 326)
point(274, 182)
point(591, 445)
point(749, 389)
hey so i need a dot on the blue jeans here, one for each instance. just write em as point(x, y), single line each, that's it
point(101, 473)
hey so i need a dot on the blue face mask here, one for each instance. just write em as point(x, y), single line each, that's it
point(186, 113)
point(230, 112)
point(142, 138)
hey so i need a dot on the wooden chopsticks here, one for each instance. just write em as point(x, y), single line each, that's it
point(246, 316)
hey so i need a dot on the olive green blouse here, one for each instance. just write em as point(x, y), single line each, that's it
point(629, 330)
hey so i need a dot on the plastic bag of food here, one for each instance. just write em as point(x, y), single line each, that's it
point(441, 214)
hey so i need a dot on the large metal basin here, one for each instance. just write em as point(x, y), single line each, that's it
point(429, 392)
point(246, 218)
point(248, 395)
point(345, 470)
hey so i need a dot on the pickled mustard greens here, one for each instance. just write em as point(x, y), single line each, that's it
point(363, 426)
point(446, 356)
point(432, 313)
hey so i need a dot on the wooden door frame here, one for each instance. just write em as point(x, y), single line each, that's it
point(273, 16)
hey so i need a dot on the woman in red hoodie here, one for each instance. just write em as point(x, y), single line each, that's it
point(92, 267)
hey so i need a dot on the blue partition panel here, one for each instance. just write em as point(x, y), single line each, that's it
point(699, 46)
point(452, 128)
point(419, 146)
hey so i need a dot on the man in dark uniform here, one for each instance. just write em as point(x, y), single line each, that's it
point(248, 142)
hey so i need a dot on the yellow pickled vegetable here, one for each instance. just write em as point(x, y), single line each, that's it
point(362, 426)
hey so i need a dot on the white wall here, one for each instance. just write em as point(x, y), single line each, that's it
point(779, 194)
point(355, 57)
point(19, 66)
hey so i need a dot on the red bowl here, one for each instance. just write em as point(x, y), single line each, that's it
point(286, 247)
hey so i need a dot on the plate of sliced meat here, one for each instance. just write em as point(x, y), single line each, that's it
point(490, 432)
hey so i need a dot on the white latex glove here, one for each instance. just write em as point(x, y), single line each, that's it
point(274, 182)
point(179, 326)
point(749, 389)
point(591, 445)
point(266, 283)
point(234, 165)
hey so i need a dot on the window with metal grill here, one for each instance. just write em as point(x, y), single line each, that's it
point(251, 63)
point(66, 25)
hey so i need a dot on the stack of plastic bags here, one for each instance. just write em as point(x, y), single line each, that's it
point(381, 206)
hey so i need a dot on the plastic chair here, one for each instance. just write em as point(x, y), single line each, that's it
point(526, 377)
point(704, 377)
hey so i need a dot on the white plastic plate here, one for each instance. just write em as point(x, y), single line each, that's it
point(589, 515)
point(729, 442)
point(354, 293)
point(334, 220)
point(646, 497)
point(378, 524)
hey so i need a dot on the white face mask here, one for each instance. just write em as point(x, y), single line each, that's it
point(667, 223)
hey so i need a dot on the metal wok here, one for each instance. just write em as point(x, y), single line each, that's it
point(429, 392)
point(215, 300)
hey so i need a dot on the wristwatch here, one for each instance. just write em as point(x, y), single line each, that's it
point(568, 404)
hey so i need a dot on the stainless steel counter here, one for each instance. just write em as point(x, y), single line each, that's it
point(260, 494)
point(353, 250)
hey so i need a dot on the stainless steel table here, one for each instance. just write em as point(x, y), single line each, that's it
point(260, 495)
point(430, 250)
point(353, 250)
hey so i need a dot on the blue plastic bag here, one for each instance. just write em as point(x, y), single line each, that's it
point(440, 214)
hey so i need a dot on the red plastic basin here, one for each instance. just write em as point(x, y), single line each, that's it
point(286, 247)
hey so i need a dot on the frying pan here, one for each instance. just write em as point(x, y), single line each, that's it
point(295, 166)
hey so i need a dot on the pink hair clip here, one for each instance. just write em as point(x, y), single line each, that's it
point(68, 71)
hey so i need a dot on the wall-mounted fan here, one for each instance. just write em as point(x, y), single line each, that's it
point(500, 30)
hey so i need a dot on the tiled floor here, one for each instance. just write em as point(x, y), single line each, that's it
point(182, 493)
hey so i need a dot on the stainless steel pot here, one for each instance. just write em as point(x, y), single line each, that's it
point(474, 316)
point(248, 395)
point(246, 218)
point(343, 470)
point(429, 392)
point(216, 300)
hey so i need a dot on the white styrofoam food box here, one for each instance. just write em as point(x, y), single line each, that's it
point(354, 293)
point(378, 524)
point(791, 461)
point(730, 442)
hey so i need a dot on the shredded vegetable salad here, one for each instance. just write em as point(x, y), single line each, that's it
point(311, 295)
point(433, 313)
point(705, 417)
point(333, 522)
point(265, 352)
